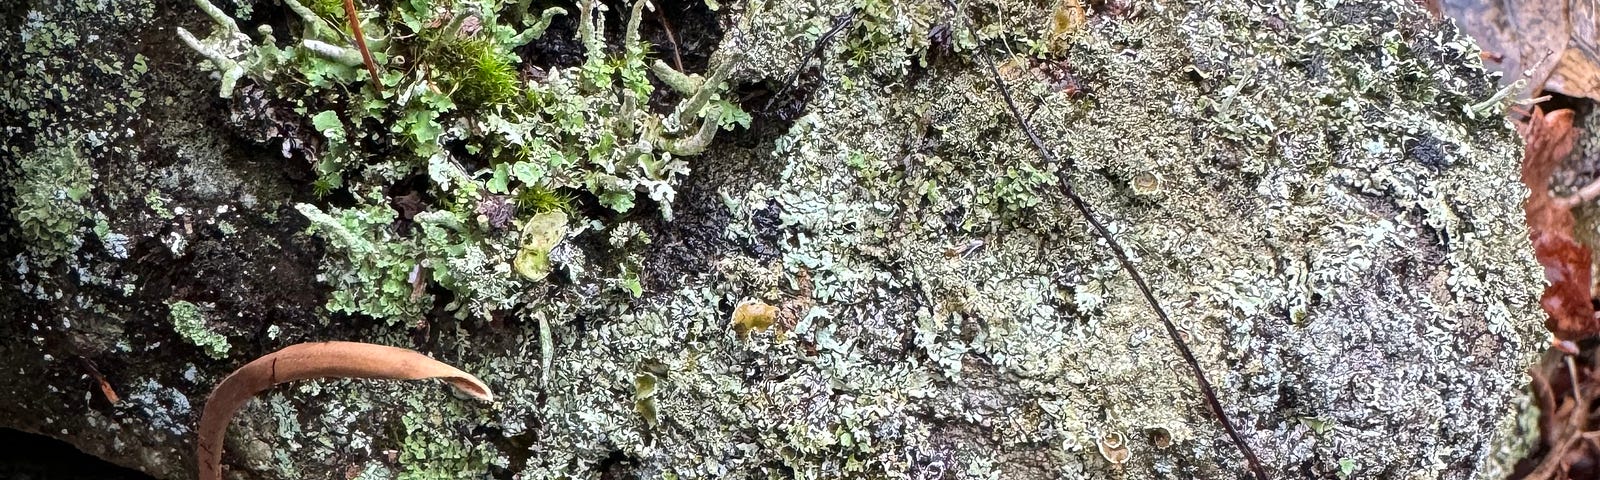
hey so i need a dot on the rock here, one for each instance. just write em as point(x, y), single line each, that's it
point(1321, 198)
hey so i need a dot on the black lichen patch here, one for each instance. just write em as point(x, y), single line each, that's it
point(684, 34)
point(773, 107)
point(559, 47)
point(1429, 151)
point(691, 243)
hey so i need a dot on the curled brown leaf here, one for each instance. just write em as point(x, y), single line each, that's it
point(309, 361)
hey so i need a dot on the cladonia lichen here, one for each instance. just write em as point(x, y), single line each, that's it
point(496, 145)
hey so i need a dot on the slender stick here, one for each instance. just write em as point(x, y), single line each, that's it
point(1585, 194)
point(361, 43)
point(677, 59)
point(1100, 230)
point(841, 23)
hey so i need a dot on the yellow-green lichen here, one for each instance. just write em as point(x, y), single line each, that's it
point(190, 321)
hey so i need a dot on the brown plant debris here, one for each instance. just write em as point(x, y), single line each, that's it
point(361, 44)
point(1549, 138)
point(1564, 389)
point(307, 361)
point(1551, 42)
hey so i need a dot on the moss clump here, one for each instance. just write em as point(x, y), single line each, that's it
point(479, 74)
point(535, 200)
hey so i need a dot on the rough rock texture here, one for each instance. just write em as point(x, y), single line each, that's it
point(1315, 192)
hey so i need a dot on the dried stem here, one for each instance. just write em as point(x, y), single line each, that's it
point(1583, 195)
point(1100, 230)
point(677, 58)
point(361, 43)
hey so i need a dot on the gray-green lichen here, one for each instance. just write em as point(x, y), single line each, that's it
point(95, 117)
point(49, 203)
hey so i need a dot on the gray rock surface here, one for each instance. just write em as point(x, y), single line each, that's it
point(1318, 194)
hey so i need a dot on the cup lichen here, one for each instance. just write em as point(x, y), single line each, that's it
point(463, 111)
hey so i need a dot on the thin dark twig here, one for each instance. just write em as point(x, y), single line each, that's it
point(1100, 230)
point(677, 59)
point(840, 24)
point(361, 44)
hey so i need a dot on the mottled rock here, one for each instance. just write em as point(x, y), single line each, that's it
point(1321, 197)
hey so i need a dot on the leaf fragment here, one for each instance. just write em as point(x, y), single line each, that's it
point(752, 315)
point(310, 361)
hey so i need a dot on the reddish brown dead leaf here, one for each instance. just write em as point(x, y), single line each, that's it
point(1549, 139)
point(308, 361)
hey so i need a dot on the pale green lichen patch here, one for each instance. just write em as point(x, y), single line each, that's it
point(539, 236)
point(431, 449)
point(190, 321)
point(58, 97)
point(942, 311)
point(50, 196)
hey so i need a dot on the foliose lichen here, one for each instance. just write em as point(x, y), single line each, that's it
point(189, 320)
point(940, 313)
point(497, 140)
point(49, 208)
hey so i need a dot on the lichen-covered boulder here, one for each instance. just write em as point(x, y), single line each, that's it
point(877, 277)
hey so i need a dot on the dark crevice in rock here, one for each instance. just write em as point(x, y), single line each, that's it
point(617, 466)
point(26, 456)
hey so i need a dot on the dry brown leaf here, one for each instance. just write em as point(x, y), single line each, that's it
point(1566, 261)
point(1553, 42)
point(752, 315)
point(1577, 71)
point(309, 361)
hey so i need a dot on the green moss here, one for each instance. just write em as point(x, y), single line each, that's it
point(479, 74)
point(189, 321)
point(535, 200)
